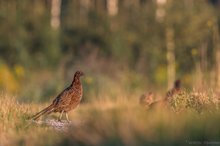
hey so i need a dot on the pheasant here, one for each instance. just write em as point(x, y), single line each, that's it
point(175, 90)
point(164, 102)
point(146, 99)
point(67, 100)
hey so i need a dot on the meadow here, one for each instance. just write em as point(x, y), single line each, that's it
point(193, 119)
point(126, 48)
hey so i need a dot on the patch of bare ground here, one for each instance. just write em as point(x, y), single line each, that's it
point(61, 126)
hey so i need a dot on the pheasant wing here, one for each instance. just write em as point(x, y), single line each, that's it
point(63, 99)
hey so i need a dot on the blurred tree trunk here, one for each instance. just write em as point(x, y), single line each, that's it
point(170, 56)
point(160, 12)
point(217, 56)
point(170, 44)
point(203, 61)
point(55, 13)
point(218, 69)
point(112, 7)
point(85, 4)
point(100, 6)
point(201, 67)
point(84, 10)
point(203, 53)
point(197, 78)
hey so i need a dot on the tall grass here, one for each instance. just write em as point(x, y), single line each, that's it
point(113, 122)
point(16, 129)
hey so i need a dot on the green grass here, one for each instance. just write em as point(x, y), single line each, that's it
point(119, 122)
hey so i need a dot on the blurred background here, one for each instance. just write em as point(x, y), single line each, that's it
point(125, 47)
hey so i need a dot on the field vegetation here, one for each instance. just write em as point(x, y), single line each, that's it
point(192, 119)
point(126, 48)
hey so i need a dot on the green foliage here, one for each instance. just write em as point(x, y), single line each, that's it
point(81, 42)
point(26, 34)
point(133, 42)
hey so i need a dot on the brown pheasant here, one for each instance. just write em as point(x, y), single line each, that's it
point(67, 100)
point(174, 91)
point(146, 99)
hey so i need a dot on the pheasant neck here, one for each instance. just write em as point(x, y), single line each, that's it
point(76, 81)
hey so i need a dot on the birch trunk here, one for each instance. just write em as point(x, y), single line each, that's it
point(218, 69)
point(112, 7)
point(217, 57)
point(55, 13)
point(170, 56)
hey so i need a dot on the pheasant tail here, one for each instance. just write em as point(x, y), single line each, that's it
point(47, 110)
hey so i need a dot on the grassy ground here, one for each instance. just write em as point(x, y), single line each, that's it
point(119, 122)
